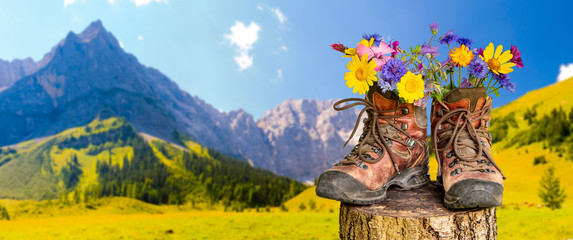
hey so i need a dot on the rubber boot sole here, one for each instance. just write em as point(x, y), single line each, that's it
point(342, 187)
point(473, 193)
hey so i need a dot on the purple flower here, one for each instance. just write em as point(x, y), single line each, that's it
point(420, 66)
point(377, 38)
point(428, 88)
point(466, 84)
point(478, 68)
point(434, 27)
point(425, 49)
point(505, 83)
point(393, 70)
point(465, 41)
point(480, 51)
point(448, 38)
point(516, 57)
point(386, 86)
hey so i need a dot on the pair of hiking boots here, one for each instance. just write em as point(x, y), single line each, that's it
point(393, 150)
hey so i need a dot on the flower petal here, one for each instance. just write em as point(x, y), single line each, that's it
point(488, 52)
point(498, 51)
point(505, 56)
point(506, 68)
point(361, 50)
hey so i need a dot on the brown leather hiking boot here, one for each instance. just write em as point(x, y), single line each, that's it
point(462, 144)
point(392, 150)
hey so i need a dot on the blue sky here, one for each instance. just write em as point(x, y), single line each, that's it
point(282, 46)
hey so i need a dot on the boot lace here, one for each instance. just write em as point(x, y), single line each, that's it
point(462, 134)
point(374, 133)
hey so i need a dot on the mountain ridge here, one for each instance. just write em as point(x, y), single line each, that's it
point(89, 72)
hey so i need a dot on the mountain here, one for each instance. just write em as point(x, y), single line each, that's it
point(107, 157)
point(87, 73)
point(13, 70)
point(306, 136)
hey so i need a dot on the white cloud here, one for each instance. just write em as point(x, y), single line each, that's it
point(279, 74)
point(112, 1)
point(565, 72)
point(244, 37)
point(280, 15)
point(70, 2)
point(144, 2)
point(140, 37)
point(284, 48)
point(259, 7)
point(121, 44)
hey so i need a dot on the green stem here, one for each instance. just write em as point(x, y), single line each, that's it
point(489, 84)
point(459, 76)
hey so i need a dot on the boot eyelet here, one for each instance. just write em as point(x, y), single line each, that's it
point(450, 154)
point(362, 165)
point(411, 143)
point(404, 126)
point(405, 111)
point(440, 113)
point(452, 164)
point(455, 172)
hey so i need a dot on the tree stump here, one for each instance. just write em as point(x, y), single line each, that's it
point(416, 214)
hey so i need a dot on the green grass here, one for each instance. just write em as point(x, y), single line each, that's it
point(124, 218)
point(530, 222)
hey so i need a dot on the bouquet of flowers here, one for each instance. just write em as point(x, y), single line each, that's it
point(417, 74)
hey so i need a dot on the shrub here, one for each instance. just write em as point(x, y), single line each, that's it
point(551, 192)
point(539, 160)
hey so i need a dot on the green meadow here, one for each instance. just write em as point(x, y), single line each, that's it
point(524, 137)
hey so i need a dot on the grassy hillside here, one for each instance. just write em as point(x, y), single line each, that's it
point(109, 158)
point(539, 124)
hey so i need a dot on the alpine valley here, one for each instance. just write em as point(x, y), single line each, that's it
point(89, 118)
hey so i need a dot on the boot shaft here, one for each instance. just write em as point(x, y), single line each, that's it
point(471, 99)
point(415, 119)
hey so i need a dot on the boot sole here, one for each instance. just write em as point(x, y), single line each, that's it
point(473, 193)
point(408, 179)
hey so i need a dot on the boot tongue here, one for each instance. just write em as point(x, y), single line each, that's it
point(471, 94)
point(383, 100)
point(463, 148)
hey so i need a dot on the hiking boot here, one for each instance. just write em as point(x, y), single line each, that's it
point(462, 144)
point(392, 150)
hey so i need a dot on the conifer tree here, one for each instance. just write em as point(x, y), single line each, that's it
point(551, 192)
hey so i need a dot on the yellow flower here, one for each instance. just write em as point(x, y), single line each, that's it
point(361, 74)
point(461, 56)
point(350, 52)
point(498, 62)
point(411, 87)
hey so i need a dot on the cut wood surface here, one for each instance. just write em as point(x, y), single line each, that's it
point(416, 214)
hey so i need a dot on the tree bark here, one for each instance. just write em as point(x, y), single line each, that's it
point(416, 214)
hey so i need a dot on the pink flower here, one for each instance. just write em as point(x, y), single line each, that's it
point(376, 53)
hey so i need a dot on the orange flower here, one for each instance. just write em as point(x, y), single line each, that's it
point(461, 56)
